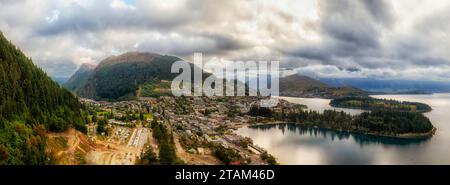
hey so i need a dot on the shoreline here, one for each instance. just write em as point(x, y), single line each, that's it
point(398, 136)
point(356, 108)
point(408, 136)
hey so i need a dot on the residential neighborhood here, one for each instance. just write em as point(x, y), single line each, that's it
point(198, 124)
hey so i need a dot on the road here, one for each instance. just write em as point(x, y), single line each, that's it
point(120, 152)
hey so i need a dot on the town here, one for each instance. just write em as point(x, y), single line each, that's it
point(202, 128)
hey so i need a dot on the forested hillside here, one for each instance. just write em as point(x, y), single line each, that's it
point(303, 86)
point(369, 103)
point(119, 77)
point(30, 104)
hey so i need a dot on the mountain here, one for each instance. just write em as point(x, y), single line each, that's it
point(303, 86)
point(60, 80)
point(390, 86)
point(80, 77)
point(30, 104)
point(120, 77)
point(295, 83)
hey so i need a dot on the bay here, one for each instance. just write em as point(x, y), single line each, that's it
point(293, 144)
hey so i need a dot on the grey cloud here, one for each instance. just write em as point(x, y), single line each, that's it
point(353, 24)
point(349, 37)
point(226, 43)
point(381, 11)
point(431, 61)
point(7, 2)
point(354, 36)
point(312, 52)
point(417, 52)
point(145, 14)
point(190, 43)
point(351, 29)
point(80, 19)
point(435, 22)
point(435, 73)
point(56, 67)
point(352, 69)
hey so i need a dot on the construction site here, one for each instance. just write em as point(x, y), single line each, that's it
point(123, 146)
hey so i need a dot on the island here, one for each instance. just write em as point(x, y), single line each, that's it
point(369, 103)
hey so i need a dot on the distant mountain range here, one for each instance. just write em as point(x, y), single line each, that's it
point(295, 83)
point(60, 80)
point(303, 86)
point(131, 74)
point(124, 76)
point(389, 86)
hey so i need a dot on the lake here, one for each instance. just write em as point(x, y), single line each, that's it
point(292, 144)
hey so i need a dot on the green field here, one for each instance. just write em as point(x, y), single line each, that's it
point(155, 89)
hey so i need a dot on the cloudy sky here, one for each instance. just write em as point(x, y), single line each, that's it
point(407, 39)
